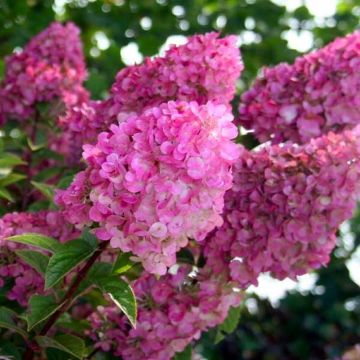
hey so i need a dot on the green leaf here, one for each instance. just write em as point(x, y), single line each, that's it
point(65, 181)
point(5, 194)
point(35, 259)
point(41, 308)
point(185, 355)
point(7, 317)
point(89, 238)
point(66, 259)
point(11, 179)
point(70, 344)
point(229, 325)
point(46, 189)
point(47, 173)
point(37, 240)
point(97, 272)
point(122, 295)
point(35, 147)
point(10, 160)
point(122, 263)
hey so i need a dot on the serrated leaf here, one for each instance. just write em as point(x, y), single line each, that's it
point(46, 189)
point(37, 240)
point(35, 259)
point(11, 179)
point(66, 259)
point(10, 160)
point(122, 295)
point(122, 263)
point(7, 317)
point(185, 355)
point(70, 344)
point(41, 308)
point(5, 194)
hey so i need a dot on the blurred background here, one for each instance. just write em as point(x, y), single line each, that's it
point(316, 318)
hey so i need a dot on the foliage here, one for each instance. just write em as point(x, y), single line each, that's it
point(128, 285)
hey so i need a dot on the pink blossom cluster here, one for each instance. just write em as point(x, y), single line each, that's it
point(172, 312)
point(317, 94)
point(156, 180)
point(51, 66)
point(27, 281)
point(204, 69)
point(285, 207)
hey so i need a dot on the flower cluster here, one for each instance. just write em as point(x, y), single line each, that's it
point(26, 280)
point(204, 69)
point(285, 207)
point(163, 173)
point(156, 180)
point(317, 94)
point(51, 66)
point(172, 311)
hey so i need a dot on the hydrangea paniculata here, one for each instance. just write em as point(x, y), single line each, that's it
point(172, 311)
point(285, 207)
point(156, 180)
point(204, 69)
point(51, 66)
point(317, 94)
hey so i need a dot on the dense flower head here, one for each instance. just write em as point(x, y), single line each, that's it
point(285, 207)
point(51, 66)
point(204, 69)
point(156, 180)
point(172, 311)
point(317, 94)
point(27, 281)
point(80, 124)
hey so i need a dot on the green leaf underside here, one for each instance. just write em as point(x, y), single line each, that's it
point(37, 240)
point(7, 321)
point(122, 263)
point(122, 295)
point(66, 259)
point(35, 259)
point(41, 308)
point(70, 344)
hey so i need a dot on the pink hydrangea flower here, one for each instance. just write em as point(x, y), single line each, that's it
point(285, 207)
point(51, 66)
point(205, 68)
point(317, 94)
point(172, 311)
point(156, 180)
